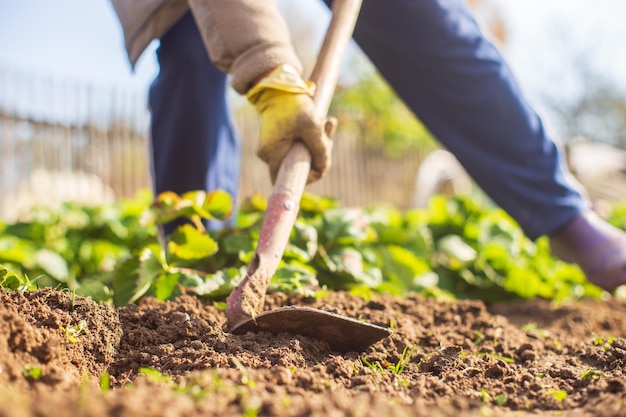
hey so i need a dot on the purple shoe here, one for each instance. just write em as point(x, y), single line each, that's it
point(596, 246)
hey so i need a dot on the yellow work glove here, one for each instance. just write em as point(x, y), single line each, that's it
point(285, 105)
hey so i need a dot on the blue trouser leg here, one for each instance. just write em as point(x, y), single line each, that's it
point(434, 55)
point(194, 145)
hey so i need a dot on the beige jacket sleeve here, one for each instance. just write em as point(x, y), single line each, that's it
point(245, 38)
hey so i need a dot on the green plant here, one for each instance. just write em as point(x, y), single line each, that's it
point(105, 382)
point(155, 375)
point(32, 371)
point(501, 399)
point(531, 328)
point(479, 337)
point(10, 280)
point(395, 368)
point(72, 333)
point(456, 248)
point(403, 361)
point(558, 395)
point(484, 395)
point(589, 374)
point(375, 367)
point(244, 372)
point(605, 343)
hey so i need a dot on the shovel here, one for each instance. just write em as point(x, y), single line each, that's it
point(245, 303)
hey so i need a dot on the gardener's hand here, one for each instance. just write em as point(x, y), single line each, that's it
point(285, 105)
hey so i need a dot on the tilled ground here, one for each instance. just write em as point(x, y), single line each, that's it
point(67, 356)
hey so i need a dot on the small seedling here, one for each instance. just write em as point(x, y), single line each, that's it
point(251, 406)
point(73, 332)
point(396, 369)
point(72, 293)
point(484, 396)
point(496, 356)
point(319, 294)
point(244, 372)
point(485, 411)
point(479, 337)
point(155, 375)
point(220, 305)
point(558, 395)
point(590, 373)
point(532, 328)
point(605, 343)
point(403, 382)
point(405, 358)
point(501, 399)
point(12, 281)
point(105, 381)
point(355, 369)
point(375, 367)
point(392, 324)
point(32, 371)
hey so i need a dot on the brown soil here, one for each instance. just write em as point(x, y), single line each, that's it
point(516, 359)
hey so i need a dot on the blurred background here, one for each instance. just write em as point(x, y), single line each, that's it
point(74, 120)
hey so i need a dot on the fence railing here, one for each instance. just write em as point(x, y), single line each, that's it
point(69, 141)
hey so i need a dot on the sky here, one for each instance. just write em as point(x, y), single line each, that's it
point(75, 39)
point(82, 40)
point(548, 36)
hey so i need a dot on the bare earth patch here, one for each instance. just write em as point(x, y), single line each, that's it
point(444, 359)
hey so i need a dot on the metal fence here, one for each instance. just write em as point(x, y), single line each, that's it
point(64, 140)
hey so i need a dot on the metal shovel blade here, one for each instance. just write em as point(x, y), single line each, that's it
point(343, 334)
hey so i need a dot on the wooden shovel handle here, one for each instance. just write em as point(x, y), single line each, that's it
point(295, 167)
point(329, 60)
point(283, 205)
point(246, 300)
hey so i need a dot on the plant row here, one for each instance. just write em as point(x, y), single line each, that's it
point(455, 248)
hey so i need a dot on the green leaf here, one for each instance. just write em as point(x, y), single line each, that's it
point(346, 226)
point(346, 266)
point(302, 245)
point(256, 203)
point(17, 251)
point(33, 231)
point(403, 267)
point(312, 204)
point(133, 276)
point(447, 216)
point(151, 266)
point(218, 204)
point(188, 243)
point(221, 283)
point(389, 226)
point(52, 264)
point(526, 284)
point(164, 286)
point(169, 206)
point(455, 251)
point(100, 255)
point(155, 376)
point(96, 289)
point(235, 243)
point(247, 220)
point(125, 278)
point(13, 280)
point(559, 395)
point(295, 277)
